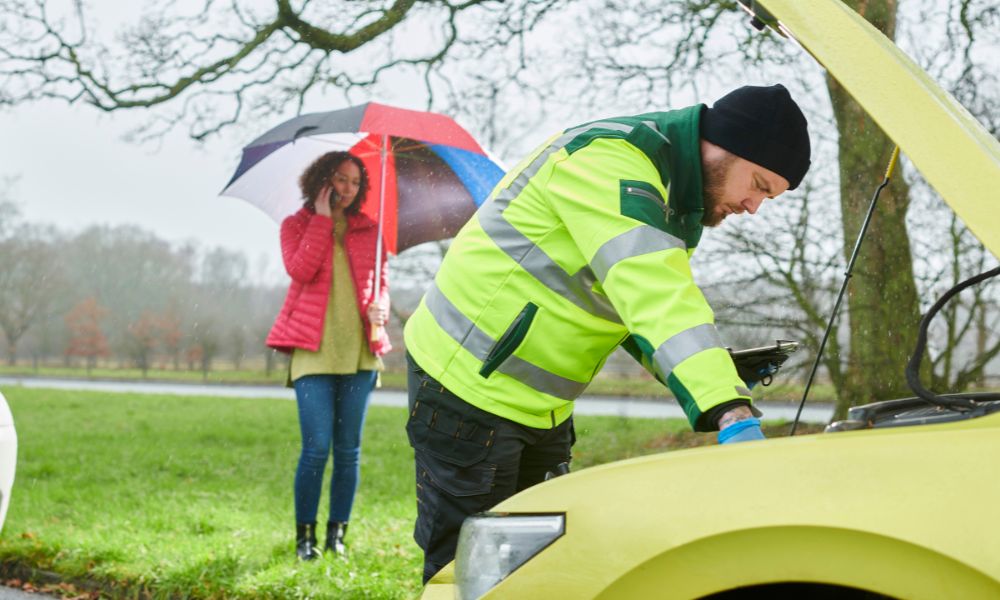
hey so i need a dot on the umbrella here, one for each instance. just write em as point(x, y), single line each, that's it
point(427, 174)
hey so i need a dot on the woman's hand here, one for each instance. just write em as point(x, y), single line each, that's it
point(377, 315)
point(322, 203)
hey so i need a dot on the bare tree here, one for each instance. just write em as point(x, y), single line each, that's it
point(237, 345)
point(225, 62)
point(965, 336)
point(10, 213)
point(206, 337)
point(30, 278)
point(412, 271)
point(170, 333)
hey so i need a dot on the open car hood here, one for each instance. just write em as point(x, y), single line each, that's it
point(952, 150)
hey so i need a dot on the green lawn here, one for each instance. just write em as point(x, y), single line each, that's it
point(192, 497)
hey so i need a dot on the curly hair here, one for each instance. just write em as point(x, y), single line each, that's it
point(317, 175)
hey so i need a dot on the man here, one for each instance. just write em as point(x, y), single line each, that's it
point(583, 247)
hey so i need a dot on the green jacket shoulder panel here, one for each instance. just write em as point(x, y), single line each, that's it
point(671, 141)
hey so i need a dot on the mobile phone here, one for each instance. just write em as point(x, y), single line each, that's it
point(760, 364)
point(781, 347)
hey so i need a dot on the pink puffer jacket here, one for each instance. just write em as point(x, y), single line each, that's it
point(307, 251)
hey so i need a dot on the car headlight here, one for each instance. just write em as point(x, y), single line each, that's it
point(492, 545)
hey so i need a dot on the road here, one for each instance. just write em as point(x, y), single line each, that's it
point(586, 405)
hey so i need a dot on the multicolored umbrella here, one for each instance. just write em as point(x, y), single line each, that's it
point(427, 174)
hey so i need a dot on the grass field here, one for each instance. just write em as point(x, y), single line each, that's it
point(165, 496)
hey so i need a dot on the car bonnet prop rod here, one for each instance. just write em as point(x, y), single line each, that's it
point(843, 286)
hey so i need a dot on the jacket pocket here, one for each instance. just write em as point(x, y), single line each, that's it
point(510, 340)
point(640, 200)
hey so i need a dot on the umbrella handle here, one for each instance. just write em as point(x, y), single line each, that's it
point(376, 330)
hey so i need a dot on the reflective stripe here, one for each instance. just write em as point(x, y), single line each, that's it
point(577, 287)
point(478, 343)
point(683, 346)
point(539, 379)
point(634, 242)
point(457, 325)
point(652, 125)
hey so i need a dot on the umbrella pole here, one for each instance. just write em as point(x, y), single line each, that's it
point(376, 330)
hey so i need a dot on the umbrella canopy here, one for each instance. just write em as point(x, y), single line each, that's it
point(435, 174)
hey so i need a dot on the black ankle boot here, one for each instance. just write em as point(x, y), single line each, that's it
point(306, 545)
point(335, 531)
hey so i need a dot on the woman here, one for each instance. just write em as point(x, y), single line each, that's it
point(326, 323)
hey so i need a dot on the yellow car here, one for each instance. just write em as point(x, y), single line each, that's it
point(900, 508)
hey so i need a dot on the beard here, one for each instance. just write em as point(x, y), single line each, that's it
point(713, 180)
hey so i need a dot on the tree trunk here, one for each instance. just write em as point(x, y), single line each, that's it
point(882, 297)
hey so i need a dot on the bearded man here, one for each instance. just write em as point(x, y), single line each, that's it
point(584, 246)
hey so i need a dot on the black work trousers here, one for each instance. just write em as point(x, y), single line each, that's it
point(467, 461)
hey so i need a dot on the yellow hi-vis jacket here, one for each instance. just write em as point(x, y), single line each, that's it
point(575, 253)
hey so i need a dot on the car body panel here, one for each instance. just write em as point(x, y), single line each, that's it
point(952, 150)
point(848, 509)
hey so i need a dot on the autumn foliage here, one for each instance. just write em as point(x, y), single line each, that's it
point(87, 339)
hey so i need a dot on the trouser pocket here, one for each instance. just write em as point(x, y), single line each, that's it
point(451, 441)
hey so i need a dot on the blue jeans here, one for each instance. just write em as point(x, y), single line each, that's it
point(331, 413)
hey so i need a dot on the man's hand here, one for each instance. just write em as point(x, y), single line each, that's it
point(739, 425)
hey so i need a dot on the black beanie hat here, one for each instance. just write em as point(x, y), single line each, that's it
point(762, 125)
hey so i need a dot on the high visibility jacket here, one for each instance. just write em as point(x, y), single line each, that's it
point(582, 247)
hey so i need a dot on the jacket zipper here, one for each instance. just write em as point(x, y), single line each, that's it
point(649, 195)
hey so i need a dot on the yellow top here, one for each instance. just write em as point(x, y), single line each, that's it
point(342, 350)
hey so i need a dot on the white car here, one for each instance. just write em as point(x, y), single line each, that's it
point(8, 456)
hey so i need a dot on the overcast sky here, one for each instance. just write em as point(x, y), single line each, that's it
point(75, 170)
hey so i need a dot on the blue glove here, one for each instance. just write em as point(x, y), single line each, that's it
point(742, 431)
